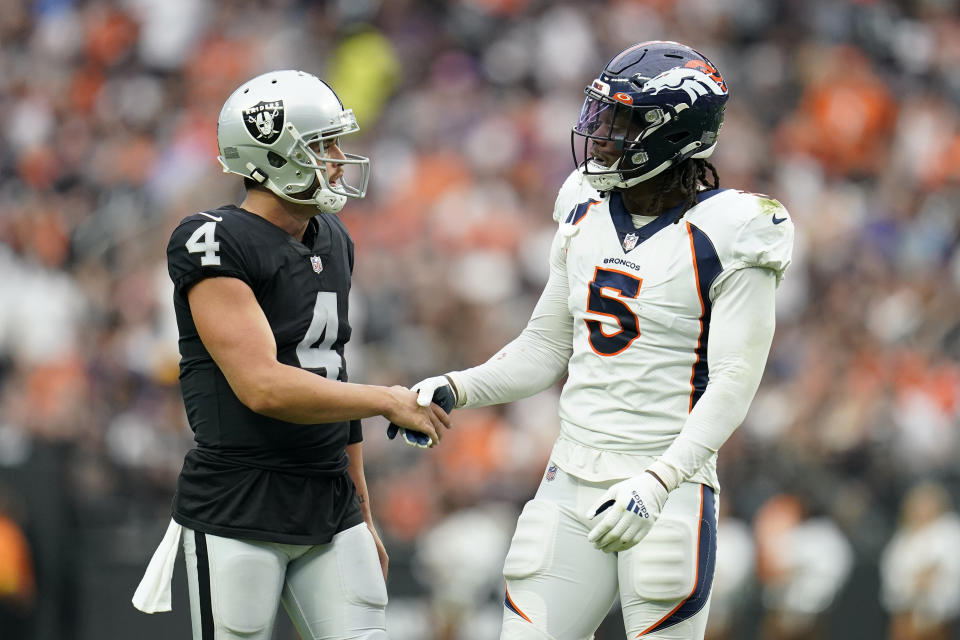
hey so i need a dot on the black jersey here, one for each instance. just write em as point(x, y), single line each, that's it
point(249, 475)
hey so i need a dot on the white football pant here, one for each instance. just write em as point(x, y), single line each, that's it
point(560, 587)
point(330, 591)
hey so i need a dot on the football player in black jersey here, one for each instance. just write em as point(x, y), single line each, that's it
point(272, 502)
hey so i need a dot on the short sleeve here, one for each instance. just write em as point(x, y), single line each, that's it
point(356, 432)
point(766, 239)
point(202, 248)
point(573, 191)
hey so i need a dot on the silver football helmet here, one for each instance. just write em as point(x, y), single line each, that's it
point(274, 130)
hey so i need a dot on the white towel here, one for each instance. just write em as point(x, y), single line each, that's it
point(153, 592)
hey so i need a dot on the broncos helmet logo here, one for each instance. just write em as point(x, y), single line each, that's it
point(693, 82)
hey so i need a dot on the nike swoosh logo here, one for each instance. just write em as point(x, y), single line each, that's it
point(777, 220)
point(215, 218)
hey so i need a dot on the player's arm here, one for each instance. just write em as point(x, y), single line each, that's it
point(237, 335)
point(537, 358)
point(355, 469)
point(741, 331)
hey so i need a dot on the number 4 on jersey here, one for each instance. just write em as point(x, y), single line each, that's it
point(314, 351)
point(208, 246)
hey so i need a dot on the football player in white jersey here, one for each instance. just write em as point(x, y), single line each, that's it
point(659, 309)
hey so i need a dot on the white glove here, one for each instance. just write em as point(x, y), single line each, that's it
point(427, 389)
point(629, 510)
point(436, 389)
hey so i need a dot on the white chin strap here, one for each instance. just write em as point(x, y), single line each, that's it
point(323, 198)
point(604, 178)
point(328, 201)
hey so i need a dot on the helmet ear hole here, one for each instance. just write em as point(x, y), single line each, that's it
point(275, 159)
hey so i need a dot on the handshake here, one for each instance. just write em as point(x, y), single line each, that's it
point(438, 390)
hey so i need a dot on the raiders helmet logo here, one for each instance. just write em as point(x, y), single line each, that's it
point(264, 121)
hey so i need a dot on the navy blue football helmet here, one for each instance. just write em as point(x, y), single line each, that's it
point(654, 105)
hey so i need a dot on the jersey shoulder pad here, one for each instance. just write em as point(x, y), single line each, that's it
point(755, 230)
point(573, 191)
point(208, 244)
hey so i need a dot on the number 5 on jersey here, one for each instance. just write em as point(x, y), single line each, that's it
point(627, 286)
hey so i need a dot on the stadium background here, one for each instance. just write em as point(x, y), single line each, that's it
point(845, 111)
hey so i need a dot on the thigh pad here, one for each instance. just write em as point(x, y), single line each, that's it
point(532, 546)
point(664, 565)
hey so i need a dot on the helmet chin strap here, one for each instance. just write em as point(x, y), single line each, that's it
point(603, 178)
point(326, 200)
point(329, 202)
point(614, 179)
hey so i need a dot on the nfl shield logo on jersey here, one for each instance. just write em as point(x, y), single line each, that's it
point(317, 264)
point(630, 241)
point(551, 472)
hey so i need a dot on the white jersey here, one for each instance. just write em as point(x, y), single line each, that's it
point(627, 315)
point(641, 302)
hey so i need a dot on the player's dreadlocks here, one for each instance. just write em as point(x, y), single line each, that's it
point(685, 178)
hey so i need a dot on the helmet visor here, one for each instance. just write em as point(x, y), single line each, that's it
point(607, 137)
point(620, 124)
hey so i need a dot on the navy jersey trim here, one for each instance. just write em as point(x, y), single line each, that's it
point(706, 563)
point(623, 223)
point(707, 267)
point(578, 212)
point(509, 604)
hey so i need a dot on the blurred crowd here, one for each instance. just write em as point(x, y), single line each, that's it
point(840, 489)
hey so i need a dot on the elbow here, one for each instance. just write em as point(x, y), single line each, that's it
point(258, 403)
point(252, 399)
point(735, 377)
point(257, 396)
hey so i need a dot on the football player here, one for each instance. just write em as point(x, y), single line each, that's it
point(659, 309)
point(272, 502)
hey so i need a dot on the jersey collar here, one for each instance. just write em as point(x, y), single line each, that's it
point(624, 224)
point(316, 239)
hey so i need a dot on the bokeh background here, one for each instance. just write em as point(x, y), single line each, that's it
point(839, 489)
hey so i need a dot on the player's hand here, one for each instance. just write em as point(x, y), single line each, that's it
point(436, 390)
point(424, 424)
point(629, 509)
